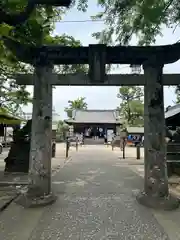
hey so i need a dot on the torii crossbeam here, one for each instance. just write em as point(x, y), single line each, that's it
point(81, 79)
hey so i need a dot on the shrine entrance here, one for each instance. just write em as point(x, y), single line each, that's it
point(94, 125)
point(152, 58)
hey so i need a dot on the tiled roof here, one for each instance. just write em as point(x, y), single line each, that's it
point(94, 116)
point(172, 111)
point(135, 129)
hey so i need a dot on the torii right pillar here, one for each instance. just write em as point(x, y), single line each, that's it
point(156, 191)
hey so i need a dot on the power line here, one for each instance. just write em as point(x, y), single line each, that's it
point(89, 20)
point(80, 21)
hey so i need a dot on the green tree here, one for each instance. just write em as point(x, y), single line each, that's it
point(39, 24)
point(12, 96)
point(144, 19)
point(66, 40)
point(141, 18)
point(62, 129)
point(131, 106)
point(78, 103)
point(35, 31)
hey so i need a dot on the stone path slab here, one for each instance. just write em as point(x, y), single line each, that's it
point(96, 201)
point(8, 182)
point(7, 195)
point(174, 181)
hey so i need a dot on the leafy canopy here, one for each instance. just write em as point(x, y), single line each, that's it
point(78, 103)
point(35, 31)
point(143, 18)
point(131, 106)
point(39, 24)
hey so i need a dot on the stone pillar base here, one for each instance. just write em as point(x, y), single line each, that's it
point(32, 202)
point(169, 203)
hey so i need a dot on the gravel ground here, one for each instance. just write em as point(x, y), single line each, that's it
point(97, 201)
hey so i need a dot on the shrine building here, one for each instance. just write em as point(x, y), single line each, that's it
point(172, 116)
point(94, 123)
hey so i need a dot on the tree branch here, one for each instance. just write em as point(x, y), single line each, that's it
point(18, 18)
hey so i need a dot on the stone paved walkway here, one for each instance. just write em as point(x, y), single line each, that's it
point(96, 200)
point(8, 182)
point(56, 162)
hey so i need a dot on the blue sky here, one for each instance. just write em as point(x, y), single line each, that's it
point(100, 97)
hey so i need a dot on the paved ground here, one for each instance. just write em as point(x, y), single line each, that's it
point(55, 163)
point(130, 152)
point(7, 182)
point(96, 200)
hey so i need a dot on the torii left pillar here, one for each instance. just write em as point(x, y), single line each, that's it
point(39, 190)
point(156, 192)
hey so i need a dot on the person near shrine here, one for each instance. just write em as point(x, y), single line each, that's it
point(105, 138)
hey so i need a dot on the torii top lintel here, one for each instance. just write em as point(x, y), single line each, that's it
point(57, 54)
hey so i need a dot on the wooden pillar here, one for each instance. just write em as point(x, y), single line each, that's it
point(41, 137)
point(156, 193)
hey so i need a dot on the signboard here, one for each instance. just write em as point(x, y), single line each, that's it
point(110, 135)
point(71, 131)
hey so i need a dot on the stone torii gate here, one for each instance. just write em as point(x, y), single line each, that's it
point(156, 192)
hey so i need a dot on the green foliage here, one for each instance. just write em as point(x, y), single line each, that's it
point(141, 18)
point(62, 125)
point(66, 40)
point(12, 96)
point(126, 18)
point(39, 24)
point(79, 103)
point(62, 129)
point(131, 106)
point(35, 31)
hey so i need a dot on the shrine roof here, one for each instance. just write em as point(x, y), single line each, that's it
point(136, 130)
point(172, 111)
point(94, 116)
